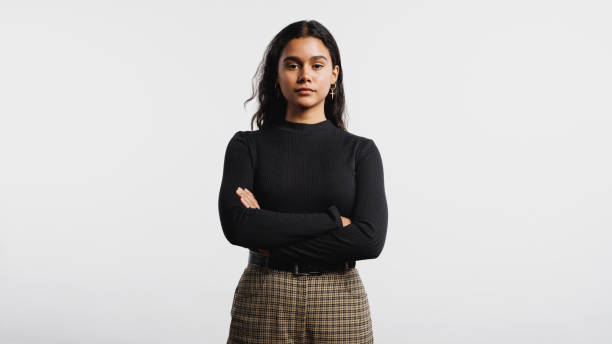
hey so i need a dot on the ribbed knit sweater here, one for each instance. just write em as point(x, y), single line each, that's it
point(304, 176)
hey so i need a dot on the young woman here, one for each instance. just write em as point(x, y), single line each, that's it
point(306, 197)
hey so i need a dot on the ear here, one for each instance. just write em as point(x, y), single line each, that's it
point(335, 73)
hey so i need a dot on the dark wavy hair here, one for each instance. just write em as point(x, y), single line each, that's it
point(271, 109)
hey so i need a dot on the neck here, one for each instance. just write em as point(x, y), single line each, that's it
point(310, 115)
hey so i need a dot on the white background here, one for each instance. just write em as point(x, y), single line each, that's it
point(493, 119)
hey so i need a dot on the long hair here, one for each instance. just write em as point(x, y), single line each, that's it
point(272, 109)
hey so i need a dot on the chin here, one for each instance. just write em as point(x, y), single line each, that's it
point(306, 103)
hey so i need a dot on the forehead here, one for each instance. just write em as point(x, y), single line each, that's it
point(305, 47)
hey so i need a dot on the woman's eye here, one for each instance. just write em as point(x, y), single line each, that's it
point(317, 66)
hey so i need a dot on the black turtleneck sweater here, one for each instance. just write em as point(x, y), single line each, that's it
point(304, 176)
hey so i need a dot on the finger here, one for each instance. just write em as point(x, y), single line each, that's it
point(249, 193)
point(244, 201)
point(244, 198)
point(252, 197)
point(250, 201)
point(240, 192)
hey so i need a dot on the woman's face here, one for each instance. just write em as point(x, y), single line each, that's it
point(305, 62)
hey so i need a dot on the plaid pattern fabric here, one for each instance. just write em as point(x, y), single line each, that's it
point(275, 306)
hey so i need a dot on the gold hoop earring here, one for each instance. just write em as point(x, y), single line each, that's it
point(332, 90)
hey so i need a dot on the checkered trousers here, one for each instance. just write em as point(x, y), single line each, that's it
point(275, 306)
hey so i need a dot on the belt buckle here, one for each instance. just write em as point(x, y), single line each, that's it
point(296, 271)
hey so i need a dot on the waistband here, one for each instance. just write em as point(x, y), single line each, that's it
point(298, 268)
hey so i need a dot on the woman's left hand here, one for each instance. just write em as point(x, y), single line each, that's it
point(247, 198)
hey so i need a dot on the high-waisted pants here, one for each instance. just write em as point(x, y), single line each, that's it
point(276, 306)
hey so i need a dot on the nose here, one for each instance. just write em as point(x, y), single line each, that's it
point(304, 76)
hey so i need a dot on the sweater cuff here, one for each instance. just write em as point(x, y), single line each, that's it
point(335, 214)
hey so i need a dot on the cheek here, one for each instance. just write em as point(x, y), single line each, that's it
point(284, 80)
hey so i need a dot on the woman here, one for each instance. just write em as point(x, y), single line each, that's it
point(306, 197)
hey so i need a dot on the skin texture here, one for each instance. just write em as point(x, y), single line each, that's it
point(301, 65)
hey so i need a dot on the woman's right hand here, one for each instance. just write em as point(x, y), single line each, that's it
point(345, 221)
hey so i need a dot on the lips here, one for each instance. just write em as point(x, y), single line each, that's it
point(304, 89)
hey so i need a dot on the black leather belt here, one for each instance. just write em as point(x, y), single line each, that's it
point(298, 268)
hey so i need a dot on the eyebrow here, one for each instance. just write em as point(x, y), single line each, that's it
point(298, 59)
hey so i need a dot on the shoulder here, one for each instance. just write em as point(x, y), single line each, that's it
point(362, 144)
point(244, 136)
point(242, 140)
point(365, 148)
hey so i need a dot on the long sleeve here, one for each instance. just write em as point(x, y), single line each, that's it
point(261, 228)
point(364, 238)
